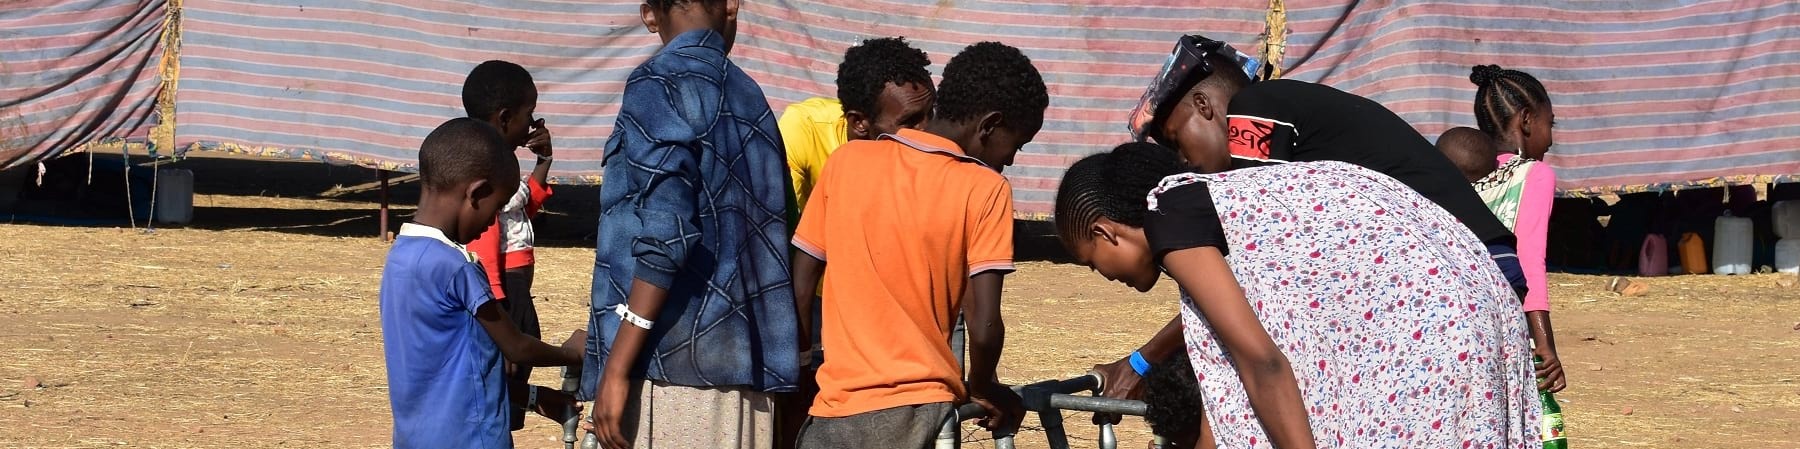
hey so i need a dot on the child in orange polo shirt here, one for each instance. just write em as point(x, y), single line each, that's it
point(908, 223)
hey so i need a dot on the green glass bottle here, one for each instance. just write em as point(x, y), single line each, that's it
point(1551, 428)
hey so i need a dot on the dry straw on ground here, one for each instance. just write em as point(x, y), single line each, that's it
point(269, 337)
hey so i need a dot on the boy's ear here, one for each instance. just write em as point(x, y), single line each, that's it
point(501, 118)
point(856, 124)
point(1202, 103)
point(990, 122)
point(649, 18)
point(477, 190)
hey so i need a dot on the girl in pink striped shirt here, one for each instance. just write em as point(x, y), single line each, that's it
point(1513, 108)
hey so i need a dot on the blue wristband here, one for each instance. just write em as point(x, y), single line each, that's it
point(1139, 364)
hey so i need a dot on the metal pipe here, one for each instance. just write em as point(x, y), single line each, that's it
point(1005, 442)
point(970, 411)
point(1049, 398)
point(571, 426)
point(1098, 405)
point(1052, 420)
point(950, 435)
point(1069, 402)
point(384, 207)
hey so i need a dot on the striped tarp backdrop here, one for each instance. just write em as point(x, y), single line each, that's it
point(1649, 93)
point(76, 72)
point(363, 82)
point(1645, 92)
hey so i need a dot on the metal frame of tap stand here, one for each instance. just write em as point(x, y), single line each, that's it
point(1047, 398)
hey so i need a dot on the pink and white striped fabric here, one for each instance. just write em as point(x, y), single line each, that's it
point(76, 72)
point(1649, 93)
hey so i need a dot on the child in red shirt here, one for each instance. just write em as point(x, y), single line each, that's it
point(502, 94)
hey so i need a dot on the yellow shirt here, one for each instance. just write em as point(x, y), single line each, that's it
point(811, 130)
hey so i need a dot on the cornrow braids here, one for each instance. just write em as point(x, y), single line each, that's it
point(1501, 94)
point(1111, 185)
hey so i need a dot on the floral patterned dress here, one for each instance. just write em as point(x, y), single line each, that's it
point(1401, 331)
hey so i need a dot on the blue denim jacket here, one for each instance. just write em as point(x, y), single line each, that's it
point(694, 200)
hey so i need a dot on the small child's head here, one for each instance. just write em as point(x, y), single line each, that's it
point(1513, 107)
point(1172, 402)
point(502, 94)
point(464, 167)
point(996, 97)
point(884, 87)
point(1100, 210)
point(1471, 150)
point(670, 18)
point(1185, 105)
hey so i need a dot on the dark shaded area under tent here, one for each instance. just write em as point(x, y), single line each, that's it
point(1587, 235)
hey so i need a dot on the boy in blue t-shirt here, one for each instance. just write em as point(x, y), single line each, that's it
point(443, 334)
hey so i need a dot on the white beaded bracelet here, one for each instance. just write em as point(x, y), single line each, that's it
point(626, 314)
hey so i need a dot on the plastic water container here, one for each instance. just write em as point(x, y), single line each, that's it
point(174, 195)
point(1693, 254)
point(1786, 218)
point(1787, 256)
point(1732, 245)
point(1653, 260)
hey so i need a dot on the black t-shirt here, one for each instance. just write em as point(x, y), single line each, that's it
point(1296, 121)
point(1185, 218)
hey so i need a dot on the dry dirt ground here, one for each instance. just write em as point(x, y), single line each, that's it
point(257, 327)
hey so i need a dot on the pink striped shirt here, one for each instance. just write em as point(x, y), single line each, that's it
point(1533, 229)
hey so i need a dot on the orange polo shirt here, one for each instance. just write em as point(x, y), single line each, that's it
point(902, 223)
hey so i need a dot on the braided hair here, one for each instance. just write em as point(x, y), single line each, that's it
point(1501, 94)
point(1113, 185)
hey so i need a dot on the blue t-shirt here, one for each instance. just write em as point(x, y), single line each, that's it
point(444, 372)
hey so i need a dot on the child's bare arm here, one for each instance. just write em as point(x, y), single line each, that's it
point(987, 331)
point(807, 271)
point(522, 349)
point(987, 338)
point(644, 300)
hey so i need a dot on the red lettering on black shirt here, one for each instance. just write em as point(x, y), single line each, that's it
point(1250, 136)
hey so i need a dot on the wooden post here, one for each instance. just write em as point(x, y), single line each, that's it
point(384, 206)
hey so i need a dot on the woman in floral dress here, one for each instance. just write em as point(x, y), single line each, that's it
point(1323, 304)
